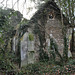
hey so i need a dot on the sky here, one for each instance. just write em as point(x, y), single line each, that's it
point(26, 8)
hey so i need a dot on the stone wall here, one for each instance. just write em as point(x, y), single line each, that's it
point(36, 47)
point(54, 30)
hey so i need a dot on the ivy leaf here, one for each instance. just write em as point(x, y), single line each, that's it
point(1, 40)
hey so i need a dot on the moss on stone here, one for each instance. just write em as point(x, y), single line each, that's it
point(31, 37)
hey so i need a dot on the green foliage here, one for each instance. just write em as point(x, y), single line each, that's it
point(43, 56)
point(33, 67)
point(6, 59)
point(20, 73)
point(1, 40)
point(42, 68)
point(39, 68)
point(52, 56)
point(65, 53)
point(8, 21)
point(71, 62)
point(54, 47)
point(31, 37)
point(19, 54)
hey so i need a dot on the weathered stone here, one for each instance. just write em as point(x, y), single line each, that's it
point(14, 44)
point(54, 30)
point(31, 57)
point(24, 49)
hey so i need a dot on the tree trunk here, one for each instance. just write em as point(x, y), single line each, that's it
point(72, 41)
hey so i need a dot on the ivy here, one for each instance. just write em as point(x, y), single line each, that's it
point(43, 56)
point(65, 53)
point(54, 47)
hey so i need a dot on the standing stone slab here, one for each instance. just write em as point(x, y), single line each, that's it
point(15, 43)
point(24, 49)
point(69, 36)
point(31, 52)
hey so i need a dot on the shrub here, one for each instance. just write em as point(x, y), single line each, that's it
point(43, 56)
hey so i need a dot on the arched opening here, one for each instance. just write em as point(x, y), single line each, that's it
point(51, 15)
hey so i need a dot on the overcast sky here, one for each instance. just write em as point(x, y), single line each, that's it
point(21, 6)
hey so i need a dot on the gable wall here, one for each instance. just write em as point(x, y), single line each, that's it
point(54, 30)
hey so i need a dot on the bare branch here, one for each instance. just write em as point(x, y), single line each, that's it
point(23, 5)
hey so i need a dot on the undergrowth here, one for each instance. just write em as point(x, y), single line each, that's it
point(8, 63)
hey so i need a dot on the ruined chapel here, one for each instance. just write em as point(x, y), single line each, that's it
point(46, 24)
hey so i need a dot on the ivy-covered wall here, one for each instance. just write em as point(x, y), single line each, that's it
point(54, 30)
